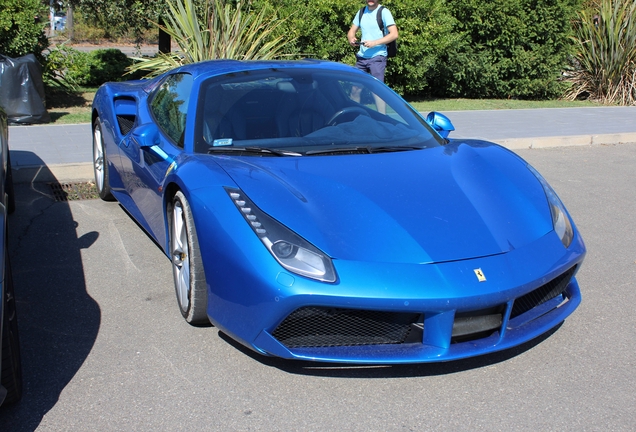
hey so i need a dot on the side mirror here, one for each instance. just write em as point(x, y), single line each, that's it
point(146, 135)
point(147, 138)
point(440, 123)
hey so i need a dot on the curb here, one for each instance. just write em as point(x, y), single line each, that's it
point(59, 173)
point(566, 141)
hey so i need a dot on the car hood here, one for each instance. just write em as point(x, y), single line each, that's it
point(464, 200)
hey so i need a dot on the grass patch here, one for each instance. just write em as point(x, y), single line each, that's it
point(70, 107)
point(426, 106)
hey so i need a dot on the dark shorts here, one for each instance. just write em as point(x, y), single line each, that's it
point(375, 66)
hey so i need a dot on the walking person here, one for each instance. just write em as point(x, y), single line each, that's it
point(372, 55)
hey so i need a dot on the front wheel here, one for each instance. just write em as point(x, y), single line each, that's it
point(187, 264)
point(100, 164)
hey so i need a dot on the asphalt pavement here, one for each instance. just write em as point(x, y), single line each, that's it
point(66, 150)
point(105, 348)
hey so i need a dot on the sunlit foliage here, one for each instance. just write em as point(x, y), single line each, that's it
point(605, 64)
point(226, 31)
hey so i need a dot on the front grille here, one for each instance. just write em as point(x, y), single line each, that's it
point(330, 327)
point(542, 294)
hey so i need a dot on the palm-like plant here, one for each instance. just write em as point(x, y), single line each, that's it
point(227, 33)
point(605, 63)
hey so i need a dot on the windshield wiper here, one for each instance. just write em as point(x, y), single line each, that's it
point(338, 150)
point(252, 150)
point(393, 149)
point(362, 150)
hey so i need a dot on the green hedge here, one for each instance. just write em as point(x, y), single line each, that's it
point(508, 49)
point(450, 48)
point(447, 48)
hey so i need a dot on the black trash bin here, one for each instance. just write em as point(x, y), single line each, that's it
point(22, 90)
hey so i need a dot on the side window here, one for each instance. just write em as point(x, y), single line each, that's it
point(170, 105)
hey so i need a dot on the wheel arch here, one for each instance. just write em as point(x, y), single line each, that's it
point(94, 116)
point(170, 190)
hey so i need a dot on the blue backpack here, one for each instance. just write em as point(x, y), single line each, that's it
point(391, 47)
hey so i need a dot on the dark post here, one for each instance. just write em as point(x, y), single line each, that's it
point(164, 39)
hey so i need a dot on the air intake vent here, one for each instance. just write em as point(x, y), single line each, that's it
point(542, 294)
point(126, 112)
point(477, 324)
point(126, 123)
point(328, 327)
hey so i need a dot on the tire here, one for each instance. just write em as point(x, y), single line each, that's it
point(100, 164)
point(187, 264)
point(11, 376)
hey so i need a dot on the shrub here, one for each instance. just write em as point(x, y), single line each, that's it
point(107, 65)
point(117, 18)
point(605, 64)
point(508, 49)
point(69, 68)
point(21, 31)
point(426, 35)
point(84, 30)
point(87, 29)
point(225, 31)
point(64, 67)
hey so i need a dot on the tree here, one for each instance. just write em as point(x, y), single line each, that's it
point(22, 25)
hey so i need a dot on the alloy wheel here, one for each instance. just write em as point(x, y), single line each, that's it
point(98, 159)
point(180, 256)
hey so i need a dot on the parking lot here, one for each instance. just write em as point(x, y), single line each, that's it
point(105, 348)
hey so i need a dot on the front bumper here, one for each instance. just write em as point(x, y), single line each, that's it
point(252, 305)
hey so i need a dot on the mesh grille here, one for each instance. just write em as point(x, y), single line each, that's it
point(329, 327)
point(126, 123)
point(542, 294)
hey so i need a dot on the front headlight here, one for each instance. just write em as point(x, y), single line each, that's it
point(292, 251)
point(560, 219)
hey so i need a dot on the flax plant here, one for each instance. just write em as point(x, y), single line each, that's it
point(227, 33)
point(605, 62)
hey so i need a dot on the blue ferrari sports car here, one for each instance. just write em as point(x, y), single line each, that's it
point(310, 213)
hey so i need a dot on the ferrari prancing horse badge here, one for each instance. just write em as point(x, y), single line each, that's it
point(481, 277)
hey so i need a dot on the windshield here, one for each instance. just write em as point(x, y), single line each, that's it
point(305, 112)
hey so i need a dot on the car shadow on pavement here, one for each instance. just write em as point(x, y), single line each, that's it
point(335, 370)
point(58, 320)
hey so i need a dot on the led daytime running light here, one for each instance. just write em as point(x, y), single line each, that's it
point(290, 250)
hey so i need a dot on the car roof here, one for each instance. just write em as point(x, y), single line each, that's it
point(218, 67)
